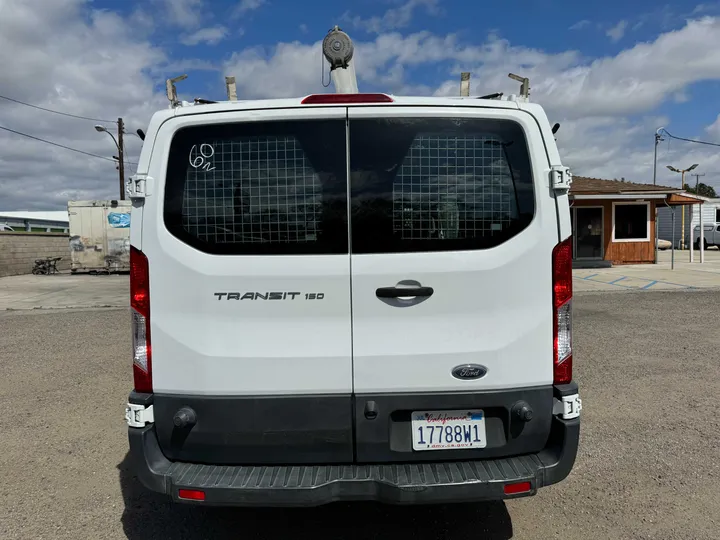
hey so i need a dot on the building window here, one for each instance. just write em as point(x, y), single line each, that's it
point(717, 215)
point(631, 222)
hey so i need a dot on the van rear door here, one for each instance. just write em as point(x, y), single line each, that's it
point(246, 234)
point(453, 226)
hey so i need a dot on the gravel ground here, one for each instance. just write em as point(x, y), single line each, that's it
point(649, 464)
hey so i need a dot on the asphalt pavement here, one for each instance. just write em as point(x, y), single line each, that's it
point(648, 467)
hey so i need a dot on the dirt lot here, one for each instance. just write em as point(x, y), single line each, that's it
point(649, 465)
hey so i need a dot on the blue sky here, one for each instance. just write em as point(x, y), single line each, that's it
point(610, 72)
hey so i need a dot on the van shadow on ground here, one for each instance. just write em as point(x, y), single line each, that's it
point(150, 515)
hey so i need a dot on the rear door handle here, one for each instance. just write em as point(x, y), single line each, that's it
point(400, 292)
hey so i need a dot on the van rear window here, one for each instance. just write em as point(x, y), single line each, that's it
point(260, 188)
point(429, 184)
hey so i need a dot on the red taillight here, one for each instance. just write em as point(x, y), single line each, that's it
point(562, 312)
point(140, 313)
point(191, 494)
point(520, 487)
point(337, 99)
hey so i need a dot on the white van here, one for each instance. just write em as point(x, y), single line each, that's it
point(351, 297)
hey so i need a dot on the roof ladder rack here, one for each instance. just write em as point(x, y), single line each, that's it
point(524, 85)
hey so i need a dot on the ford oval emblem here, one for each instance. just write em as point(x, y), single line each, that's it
point(469, 372)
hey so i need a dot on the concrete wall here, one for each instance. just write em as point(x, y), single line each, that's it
point(18, 251)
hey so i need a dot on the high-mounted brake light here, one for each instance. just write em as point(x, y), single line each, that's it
point(562, 312)
point(338, 99)
point(140, 312)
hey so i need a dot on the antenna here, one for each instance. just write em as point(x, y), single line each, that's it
point(171, 91)
point(524, 84)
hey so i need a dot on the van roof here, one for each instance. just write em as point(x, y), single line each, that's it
point(186, 109)
point(227, 106)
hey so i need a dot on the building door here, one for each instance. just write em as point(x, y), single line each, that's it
point(588, 232)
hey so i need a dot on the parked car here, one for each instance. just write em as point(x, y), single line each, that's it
point(711, 235)
point(351, 297)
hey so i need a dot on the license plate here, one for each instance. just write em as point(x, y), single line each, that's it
point(448, 430)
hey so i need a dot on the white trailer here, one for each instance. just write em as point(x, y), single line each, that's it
point(99, 236)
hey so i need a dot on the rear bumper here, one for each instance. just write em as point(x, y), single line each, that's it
point(397, 483)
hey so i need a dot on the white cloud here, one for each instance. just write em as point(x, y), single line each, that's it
point(617, 32)
point(393, 19)
point(705, 8)
point(61, 56)
point(714, 130)
point(293, 69)
point(288, 69)
point(245, 6)
point(142, 21)
point(184, 13)
point(101, 65)
point(636, 80)
point(182, 66)
point(580, 25)
point(594, 100)
point(211, 35)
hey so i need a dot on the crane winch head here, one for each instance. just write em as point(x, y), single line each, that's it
point(338, 48)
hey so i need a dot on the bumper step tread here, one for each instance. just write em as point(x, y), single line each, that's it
point(313, 485)
point(188, 475)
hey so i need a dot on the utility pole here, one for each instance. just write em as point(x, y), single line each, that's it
point(658, 138)
point(121, 155)
point(697, 181)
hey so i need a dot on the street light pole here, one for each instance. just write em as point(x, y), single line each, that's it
point(121, 153)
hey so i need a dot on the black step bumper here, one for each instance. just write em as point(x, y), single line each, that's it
point(314, 485)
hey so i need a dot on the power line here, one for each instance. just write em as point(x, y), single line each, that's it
point(57, 112)
point(60, 145)
point(666, 132)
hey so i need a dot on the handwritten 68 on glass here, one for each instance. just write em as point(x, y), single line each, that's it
point(201, 158)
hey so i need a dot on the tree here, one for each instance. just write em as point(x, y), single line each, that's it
point(702, 189)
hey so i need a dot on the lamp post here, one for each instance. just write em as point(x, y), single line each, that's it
point(682, 186)
point(121, 158)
